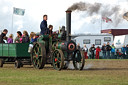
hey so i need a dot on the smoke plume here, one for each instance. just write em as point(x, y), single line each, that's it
point(109, 11)
point(82, 6)
point(99, 9)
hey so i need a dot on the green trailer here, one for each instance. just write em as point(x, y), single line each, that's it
point(14, 53)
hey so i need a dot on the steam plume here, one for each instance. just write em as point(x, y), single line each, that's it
point(82, 6)
point(100, 9)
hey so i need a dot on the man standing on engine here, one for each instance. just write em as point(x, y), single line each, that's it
point(43, 25)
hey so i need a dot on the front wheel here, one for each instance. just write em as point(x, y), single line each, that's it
point(58, 59)
point(78, 60)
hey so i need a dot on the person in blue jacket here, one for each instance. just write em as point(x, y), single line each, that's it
point(43, 25)
point(123, 49)
point(113, 51)
point(126, 51)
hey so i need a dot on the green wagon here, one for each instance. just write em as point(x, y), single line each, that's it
point(17, 52)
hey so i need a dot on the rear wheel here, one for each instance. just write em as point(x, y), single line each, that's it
point(78, 60)
point(17, 64)
point(38, 57)
point(58, 59)
point(1, 62)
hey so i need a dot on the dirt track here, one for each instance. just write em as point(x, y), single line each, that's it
point(106, 64)
point(89, 65)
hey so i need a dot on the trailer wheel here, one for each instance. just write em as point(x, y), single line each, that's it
point(21, 65)
point(1, 62)
point(38, 57)
point(58, 59)
point(17, 64)
point(78, 60)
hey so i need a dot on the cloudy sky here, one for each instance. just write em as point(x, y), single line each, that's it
point(55, 9)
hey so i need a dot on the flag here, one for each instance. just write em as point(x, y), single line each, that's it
point(18, 11)
point(106, 19)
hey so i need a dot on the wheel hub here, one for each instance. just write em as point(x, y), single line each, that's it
point(36, 55)
point(55, 59)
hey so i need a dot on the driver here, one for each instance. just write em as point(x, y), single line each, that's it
point(50, 30)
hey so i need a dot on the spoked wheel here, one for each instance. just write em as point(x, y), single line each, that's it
point(78, 60)
point(17, 64)
point(1, 62)
point(58, 59)
point(38, 57)
point(21, 65)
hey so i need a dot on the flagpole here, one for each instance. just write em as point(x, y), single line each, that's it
point(101, 22)
point(12, 21)
point(12, 24)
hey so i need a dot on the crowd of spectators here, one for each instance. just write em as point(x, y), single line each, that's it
point(20, 38)
point(107, 51)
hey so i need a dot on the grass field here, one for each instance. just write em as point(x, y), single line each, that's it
point(96, 72)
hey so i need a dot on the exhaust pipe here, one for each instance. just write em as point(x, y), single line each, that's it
point(68, 25)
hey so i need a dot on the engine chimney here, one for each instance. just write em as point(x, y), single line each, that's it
point(68, 25)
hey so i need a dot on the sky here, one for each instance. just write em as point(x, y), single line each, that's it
point(55, 9)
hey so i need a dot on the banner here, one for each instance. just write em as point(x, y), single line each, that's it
point(18, 11)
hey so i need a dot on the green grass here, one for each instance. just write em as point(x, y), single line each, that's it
point(49, 76)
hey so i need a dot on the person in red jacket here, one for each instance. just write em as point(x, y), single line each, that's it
point(97, 52)
point(85, 49)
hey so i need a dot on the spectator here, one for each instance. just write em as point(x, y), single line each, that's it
point(19, 37)
point(78, 46)
point(25, 38)
point(5, 39)
point(123, 50)
point(97, 52)
point(113, 51)
point(92, 50)
point(10, 39)
point(108, 49)
point(31, 35)
point(85, 49)
point(104, 51)
point(3, 34)
point(34, 39)
point(126, 51)
point(119, 54)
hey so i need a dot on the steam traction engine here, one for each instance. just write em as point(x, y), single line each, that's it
point(57, 49)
